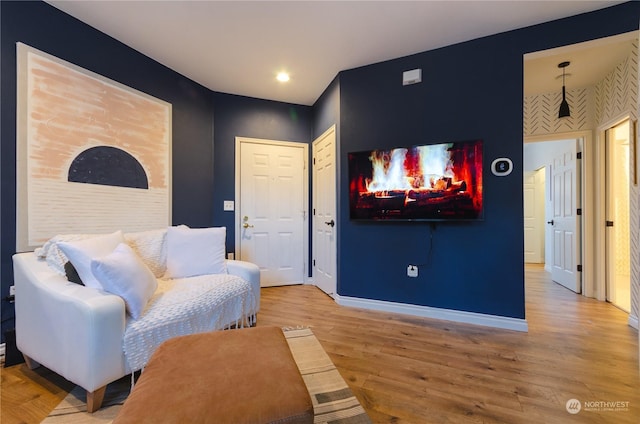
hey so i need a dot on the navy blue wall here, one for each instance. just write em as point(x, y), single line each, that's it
point(237, 116)
point(326, 110)
point(472, 90)
point(470, 268)
point(44, 27)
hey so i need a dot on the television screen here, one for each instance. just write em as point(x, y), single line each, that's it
point(428, 182)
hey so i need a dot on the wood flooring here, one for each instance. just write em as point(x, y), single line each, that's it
point(405, 369)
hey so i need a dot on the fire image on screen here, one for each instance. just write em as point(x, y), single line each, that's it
point(427, 182)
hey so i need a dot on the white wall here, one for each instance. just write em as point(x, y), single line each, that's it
point(537, 155)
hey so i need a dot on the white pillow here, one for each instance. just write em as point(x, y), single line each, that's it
point(81, 252)
point(151, 247)
point(195, 251)
point(123, 273)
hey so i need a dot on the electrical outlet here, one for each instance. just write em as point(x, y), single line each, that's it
point(412, 271)
point(12, 290)
point(228, 205)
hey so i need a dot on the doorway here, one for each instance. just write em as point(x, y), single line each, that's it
point(552, 208)
point(617, 176)
point(271, 218)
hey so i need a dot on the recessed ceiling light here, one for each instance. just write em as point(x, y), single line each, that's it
point(283, 77)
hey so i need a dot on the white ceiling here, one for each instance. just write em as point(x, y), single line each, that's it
point(238, 47)
point(589, 63)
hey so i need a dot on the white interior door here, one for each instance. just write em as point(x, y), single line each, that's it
point(534, 216)
point(272, 212)
point(565, 189)
point(324, 212)
point(618, 243)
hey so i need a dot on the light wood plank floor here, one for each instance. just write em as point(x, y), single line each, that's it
point(413, 370)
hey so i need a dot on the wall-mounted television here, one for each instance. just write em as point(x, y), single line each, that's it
point(430, 182)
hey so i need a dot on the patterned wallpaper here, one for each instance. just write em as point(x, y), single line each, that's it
point(613, 97)
point(617, 93)
point(541, 112)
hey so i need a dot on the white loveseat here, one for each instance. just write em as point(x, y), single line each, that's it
point(88, 334)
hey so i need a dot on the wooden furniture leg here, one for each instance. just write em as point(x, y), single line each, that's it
point(95, 398)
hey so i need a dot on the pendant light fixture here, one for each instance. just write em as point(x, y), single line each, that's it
point(564, 106)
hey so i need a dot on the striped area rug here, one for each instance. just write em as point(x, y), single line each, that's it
point(333, 401)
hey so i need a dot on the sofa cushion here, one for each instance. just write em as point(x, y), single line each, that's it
point(123, 273)
point(81, 252)
point(195, 251)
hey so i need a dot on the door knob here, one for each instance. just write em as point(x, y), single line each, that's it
point(246, 224)
point(550, 222)
point(331, 223)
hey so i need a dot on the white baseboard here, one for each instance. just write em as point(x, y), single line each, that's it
point(633, 321)
point(3, 348)
point(437, 313)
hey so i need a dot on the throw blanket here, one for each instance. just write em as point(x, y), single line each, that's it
point(187, 306)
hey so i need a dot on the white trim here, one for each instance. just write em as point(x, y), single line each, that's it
point(475, 318)
point(633, 321)
point(305, 200)
point(3, 351)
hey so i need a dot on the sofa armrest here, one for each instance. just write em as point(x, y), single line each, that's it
point(249, 272)
point(73, 330)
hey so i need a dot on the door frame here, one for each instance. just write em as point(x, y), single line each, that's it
point(611, 285)
point(601, 209)
point(305, 194)
point(587, 168)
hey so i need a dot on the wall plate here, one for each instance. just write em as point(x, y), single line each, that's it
point(412, 271)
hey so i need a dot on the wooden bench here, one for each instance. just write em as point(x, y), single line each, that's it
point(233, 376)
